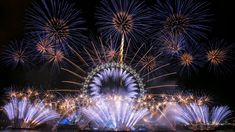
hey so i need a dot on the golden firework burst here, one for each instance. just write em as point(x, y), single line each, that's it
point(216, 56)
point(149, 62)
point(186, 59)
point(176, 24)
point(44, 46)
point(56, 57)
point(123, 22)
point(19, 56)
point(57, 28)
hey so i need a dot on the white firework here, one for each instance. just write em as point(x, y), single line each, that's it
point(201, 117)
point(104, 82)
point(114, 113)
point(23, 114)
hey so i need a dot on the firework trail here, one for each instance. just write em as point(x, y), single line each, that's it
point(122, 17)
point(117, 74)
point(96, 71)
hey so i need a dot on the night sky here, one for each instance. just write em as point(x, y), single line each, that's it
point(12, 27)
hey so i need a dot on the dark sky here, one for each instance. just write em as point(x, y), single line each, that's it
point(223, 25)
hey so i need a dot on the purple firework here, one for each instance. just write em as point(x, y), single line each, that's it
point(200, 117)
point(188, 18)
point(172, 45)
point(122, 17)
point(16, 53)
point(106, 82)
point(24, 114)
point(56, 20)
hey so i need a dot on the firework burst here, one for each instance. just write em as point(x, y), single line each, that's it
point(220, 114)
point(122, 17)
point(188, 18)
point(219, 56)
point(56, 20)
point(69, 107)
point(114, 113)
point(43, 47)
point(100, 51)
point(172, 45)
point(118, 77)
point(16, 54)
point(23, 114)
point(56, 58)
point(190, 60)
point(165, 108)
point(96, 71)
point(31, 94)
point(146, 58)
point(186, 59)
point(40, 47)
point(149, 61)
point(199, 117)
point(46, 53)
point(186, 98)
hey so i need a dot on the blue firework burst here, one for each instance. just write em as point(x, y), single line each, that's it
point(123, 17)
point(56, 20)
point(188, 18)
point(16, 53)
point(172, 45)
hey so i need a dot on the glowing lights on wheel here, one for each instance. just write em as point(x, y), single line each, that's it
point(114, 78)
